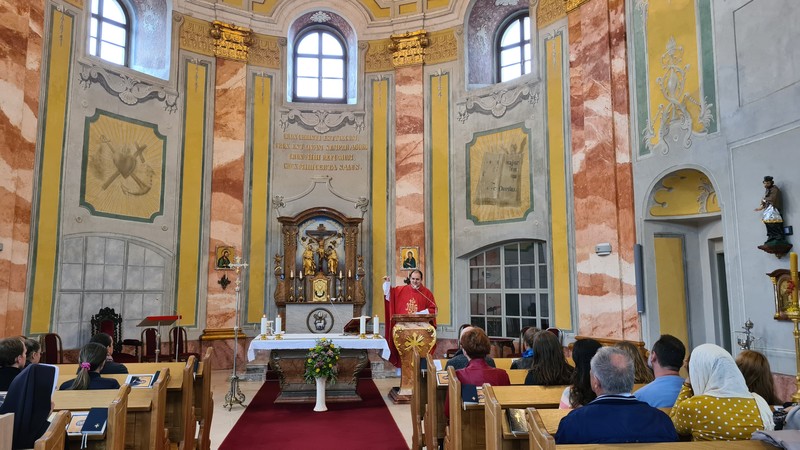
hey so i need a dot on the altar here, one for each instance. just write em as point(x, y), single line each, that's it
point(288, 356)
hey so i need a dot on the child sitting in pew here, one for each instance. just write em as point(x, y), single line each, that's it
point(92, 359)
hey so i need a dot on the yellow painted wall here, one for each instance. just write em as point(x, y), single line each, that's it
point(440, 195)
point(195, 89)
point(376, 10)
point(259, 195)
point(54, 118)
point(380, 188)
point(671, 287)
point(408, 8)
point(558, 182)
point(686, 192)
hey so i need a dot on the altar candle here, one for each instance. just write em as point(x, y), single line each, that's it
point(264, 324)
point(341, 275)
point(349, 274)
point(291, 273)
point(301, 274)
point(376, 325)
point(362, 325)
point(278, 324)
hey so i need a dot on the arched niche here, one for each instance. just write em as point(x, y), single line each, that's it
point(681, 194)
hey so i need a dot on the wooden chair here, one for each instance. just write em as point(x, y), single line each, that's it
point(419, 399)
point(177, 344)
point(203, 403)
point(117, 411)
point(149, 344)
point(56, 435)
point(159, 438)
point(6, 431)
point(51, 348)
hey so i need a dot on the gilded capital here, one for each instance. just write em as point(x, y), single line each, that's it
point(408, 49)
point(231, 41)
point(572, 5)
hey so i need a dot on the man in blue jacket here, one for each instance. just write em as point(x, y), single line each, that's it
point(615, 416)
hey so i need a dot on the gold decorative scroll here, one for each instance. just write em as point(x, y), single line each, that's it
point(195, 36)
point(408, 49)
point(379, 57)
point(572, 5)
point(549, 11)
point(265, 51)
point(443, 47)
point(231, 41)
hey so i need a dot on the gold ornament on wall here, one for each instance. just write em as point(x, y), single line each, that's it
point(408, 49)
point(231, 41)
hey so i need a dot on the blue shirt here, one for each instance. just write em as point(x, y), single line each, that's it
point(661, 392)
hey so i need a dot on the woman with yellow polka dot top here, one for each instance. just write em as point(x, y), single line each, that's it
point(714, 403)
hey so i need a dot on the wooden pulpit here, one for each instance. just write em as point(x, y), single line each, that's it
point(411, 331)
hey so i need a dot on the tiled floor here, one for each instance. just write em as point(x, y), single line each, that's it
point(224, 420)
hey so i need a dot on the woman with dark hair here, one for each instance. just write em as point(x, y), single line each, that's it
point(30, 399)
point(549, 366)
point(641, 373)
point(34, 351)
point(580, 391)
point(758, 375)
point(92, 359)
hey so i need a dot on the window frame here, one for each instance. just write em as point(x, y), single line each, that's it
point(101, 19)
point(539, 267)
point(498, 48)
point(313, 29)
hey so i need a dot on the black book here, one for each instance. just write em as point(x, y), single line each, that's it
point(516, 421)
point(95, 422)
point(471, 394)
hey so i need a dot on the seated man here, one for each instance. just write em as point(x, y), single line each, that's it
point(615, 416)
point(108, 342)
point(13, 357)
point(666, 359)
point(476, 345)
point(460, 360)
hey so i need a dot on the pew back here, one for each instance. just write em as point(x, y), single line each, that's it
point(6, 431)
point(204, 404)
point(56, 435)
point(418, 401)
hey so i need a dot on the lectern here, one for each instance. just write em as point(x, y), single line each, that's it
point(411, 331)
point(157, 322)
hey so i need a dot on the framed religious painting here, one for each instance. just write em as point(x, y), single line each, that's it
point(782, 287)
point(409, 258)
point(224, 257)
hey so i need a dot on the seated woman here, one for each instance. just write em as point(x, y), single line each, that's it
point(714, 403)
point(641, 373)
point(758, 375)
point(34, 351)
point(92, 357)
point(476, 346)
point(30, 399)
point(580, 391)
point(527, 350)
point(549, 367)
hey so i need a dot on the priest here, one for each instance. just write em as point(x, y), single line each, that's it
point(412, 298)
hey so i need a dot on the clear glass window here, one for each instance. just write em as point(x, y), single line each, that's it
point(320, 63)
point(509, 288)
point(109, 31)
point(514, 49)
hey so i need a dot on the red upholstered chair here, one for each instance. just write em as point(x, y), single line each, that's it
point(51, 348)
point(177, 344)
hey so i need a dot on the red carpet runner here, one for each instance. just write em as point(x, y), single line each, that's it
point(365, 425)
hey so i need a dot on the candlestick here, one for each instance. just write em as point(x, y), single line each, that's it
point(264, 326)
point(301, 275)
point(291, 274)
point(278, 324)
point(349, 274)
point(362, 325)
point(793, 307)
point(376, 325)
point(341, 275)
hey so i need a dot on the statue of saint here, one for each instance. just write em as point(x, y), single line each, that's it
point(333, 260)
point(771, 215)
point(309, 266)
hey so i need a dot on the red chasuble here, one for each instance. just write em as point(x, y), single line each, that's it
point(406, 300)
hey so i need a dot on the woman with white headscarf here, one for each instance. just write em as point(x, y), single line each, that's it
point(714, 403)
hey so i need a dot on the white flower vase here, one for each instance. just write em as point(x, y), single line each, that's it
point(320, 406)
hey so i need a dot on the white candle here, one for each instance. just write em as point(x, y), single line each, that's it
point(291, 273)
point(278, 324)
point(362, 328)
point(301, 274)
point(264, 325)
point(376, 325)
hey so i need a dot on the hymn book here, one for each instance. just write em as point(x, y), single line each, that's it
point(472, 395)
point(142, 380)
point(442, 378)
point(92, 422)
point(516, 421)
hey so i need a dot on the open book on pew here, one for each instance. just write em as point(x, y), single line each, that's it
point(442, 378)
point(472, 395)
point(89, 423)
point(517, 423)
point(142, 380)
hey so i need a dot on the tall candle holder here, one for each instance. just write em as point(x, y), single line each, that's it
point(235, 394)
point(793, 314)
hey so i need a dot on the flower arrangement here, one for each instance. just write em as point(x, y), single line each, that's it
point(322, 361)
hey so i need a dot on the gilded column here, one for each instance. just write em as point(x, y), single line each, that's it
point(407, 56)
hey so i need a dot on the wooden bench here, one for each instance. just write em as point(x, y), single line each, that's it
point(543, 427)
point(499, 398)
point(419, 399)
point(185, 424)
point(6, 431)
point(203, 401)
point(117, 415)
point(54, 438)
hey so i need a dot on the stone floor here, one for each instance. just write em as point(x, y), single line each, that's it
point(224, 420)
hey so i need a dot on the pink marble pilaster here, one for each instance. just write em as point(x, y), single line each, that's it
point(227, 184)
point(409, 162)
point(602, 174)
point(21, 25)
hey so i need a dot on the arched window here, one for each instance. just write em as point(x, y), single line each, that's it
point(320, 62)
point(109, 31)
point(509, 288)
point(514, 48)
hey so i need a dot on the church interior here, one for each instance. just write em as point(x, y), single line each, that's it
point(592, 166)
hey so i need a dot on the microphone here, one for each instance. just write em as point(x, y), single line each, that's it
point(430, 301)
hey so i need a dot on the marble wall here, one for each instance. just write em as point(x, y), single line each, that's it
point(21, 28)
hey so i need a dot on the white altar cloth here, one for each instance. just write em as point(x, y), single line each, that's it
point(307, 340)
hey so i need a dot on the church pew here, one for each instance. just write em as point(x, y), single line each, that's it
point(183, 425)
point(204, 403)
point(419, 399)
point(55, 436)
point(117, 419)
point(466, 429)
point(500, 398)
point(542, 428)
point(434, 419)
point(154, 429)
point(6, 431)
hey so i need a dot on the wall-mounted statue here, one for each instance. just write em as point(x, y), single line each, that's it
point(770, 207)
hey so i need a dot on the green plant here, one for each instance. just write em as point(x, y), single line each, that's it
point(322, 361)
